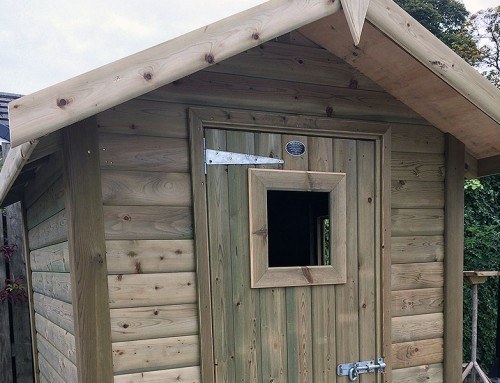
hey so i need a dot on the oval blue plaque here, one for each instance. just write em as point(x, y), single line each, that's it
point(295, 148)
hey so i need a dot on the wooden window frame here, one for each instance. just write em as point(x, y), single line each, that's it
point(262, 180)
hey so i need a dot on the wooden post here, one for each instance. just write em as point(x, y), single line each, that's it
point(454, 258)
point(476, 278)
point(87, 251)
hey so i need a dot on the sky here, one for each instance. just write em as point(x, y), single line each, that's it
point(44, 42)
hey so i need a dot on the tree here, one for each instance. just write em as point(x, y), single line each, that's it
point(448, 21)
point(485, 27)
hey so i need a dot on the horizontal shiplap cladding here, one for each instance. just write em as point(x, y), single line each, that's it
point(176, 375)
point(59, 363)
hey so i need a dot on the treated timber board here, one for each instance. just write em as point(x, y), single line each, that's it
point(54, 258)
point(426, 373)
point(347, 336)
point(298, 299)
point(415, 194)
point(417, 353)
point(368, 299)
point(49, 232)
point(417, 249)
point(323, 297)
point(53, 285)
point(417, 166)
point(454, 257)
point(62, 365)
point(278, 61)
point(150, 256)
point(148, 222)
point(271, 122)
point(220, 263)
point(153, 322)
point(87, 250)
point(47, 373)
point(247, 308)
point(155, 354)
point(417, 327)
point(44, 177)
point(143, 153)
point(212, 89)
point(61, 339)
point(413, 276)
point(139, 290)
point(417, 302)
point(417, 139)
point(145, 188)
point(407, 222)
point(144, 118)
point(58, 312)
point(46, 146)
point(272, 300)
point(176, 375)
point(202, 254)
point(49, 203)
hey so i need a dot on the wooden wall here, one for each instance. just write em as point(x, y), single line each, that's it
point(146, 192)
point(417, 254)
point(47, 237)
point(148, 207)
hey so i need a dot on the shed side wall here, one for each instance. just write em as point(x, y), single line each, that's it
point(47, 234)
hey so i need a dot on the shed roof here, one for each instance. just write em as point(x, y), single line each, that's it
point(395, 51)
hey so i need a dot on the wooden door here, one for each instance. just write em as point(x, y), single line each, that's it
point(293, 334)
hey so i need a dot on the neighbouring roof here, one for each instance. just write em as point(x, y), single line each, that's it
point(5, 98)
point(395, 51)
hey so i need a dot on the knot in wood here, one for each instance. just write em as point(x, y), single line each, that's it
point(127, 218)
point(329, 111)
point(62, 102)
point(148, 76)
point(353, 84)
point(209, 58)
point(255, 36)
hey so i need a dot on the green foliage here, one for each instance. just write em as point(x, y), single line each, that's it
point(482, 252)
point(447, 20)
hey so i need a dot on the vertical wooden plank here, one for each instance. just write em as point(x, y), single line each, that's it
point(298, 299)
point(323, 297)
point(202, 248)
point(453, 261)
point(366, 252)
point(245, 300)
point(87, 251)
point(20, 312)
point(385, 253)
point(5, 347)
point(347, 338)
point(220, 263)
point(272, 301)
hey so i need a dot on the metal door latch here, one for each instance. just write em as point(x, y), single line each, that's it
point(353, 370)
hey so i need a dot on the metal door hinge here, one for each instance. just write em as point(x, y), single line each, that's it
point(220, 157)
point(353, 370)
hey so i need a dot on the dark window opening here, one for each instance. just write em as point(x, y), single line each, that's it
point(298, 228)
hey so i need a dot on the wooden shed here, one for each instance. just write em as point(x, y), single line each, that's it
point(260, 200)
